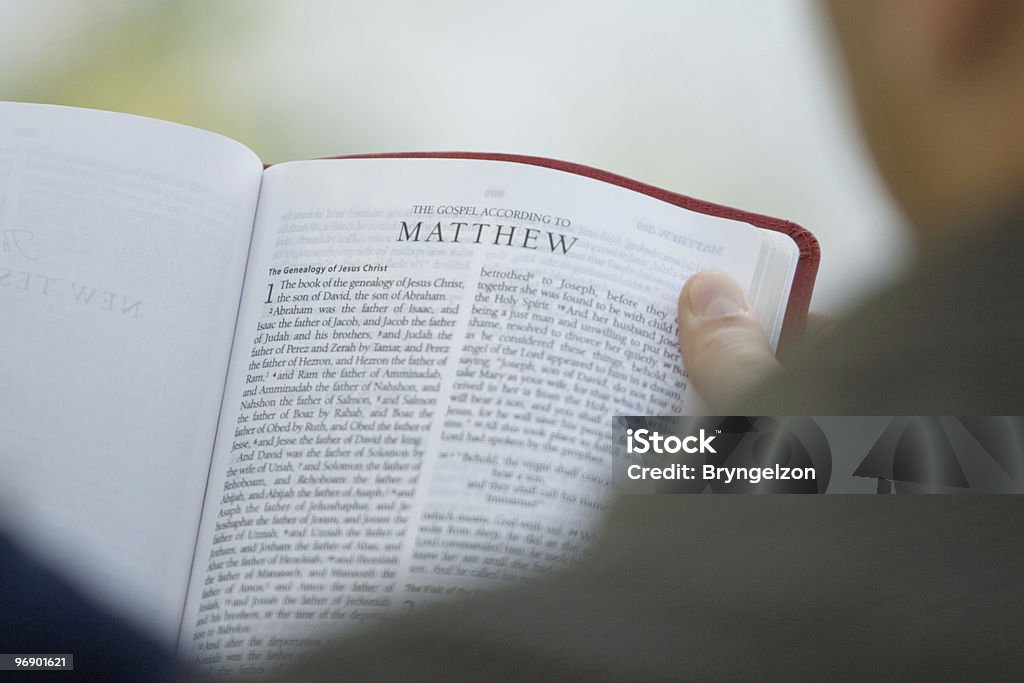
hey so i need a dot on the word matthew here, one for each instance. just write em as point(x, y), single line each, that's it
point(478, 233)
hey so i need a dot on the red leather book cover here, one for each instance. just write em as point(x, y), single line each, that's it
point(807, 268)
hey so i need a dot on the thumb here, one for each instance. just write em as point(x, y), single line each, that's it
point(725, 350)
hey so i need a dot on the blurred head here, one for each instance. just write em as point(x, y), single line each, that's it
point(939, 89)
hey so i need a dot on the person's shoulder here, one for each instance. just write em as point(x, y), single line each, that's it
point(44, 614)
point(944, 340)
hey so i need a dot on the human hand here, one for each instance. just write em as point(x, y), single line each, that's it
point(725, 350)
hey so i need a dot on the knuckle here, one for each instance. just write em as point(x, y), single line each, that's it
point(730, 342)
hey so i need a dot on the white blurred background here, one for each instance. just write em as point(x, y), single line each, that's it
point(734, 101)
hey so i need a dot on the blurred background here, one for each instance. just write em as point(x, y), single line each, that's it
point(740, 102)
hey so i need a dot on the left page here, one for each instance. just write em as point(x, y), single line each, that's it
point(123, 244)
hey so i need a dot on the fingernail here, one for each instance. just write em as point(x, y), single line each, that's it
point(713, 294)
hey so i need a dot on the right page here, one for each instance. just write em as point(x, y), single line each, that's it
point(427, 359)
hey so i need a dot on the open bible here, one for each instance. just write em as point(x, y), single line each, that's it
point(253, 407)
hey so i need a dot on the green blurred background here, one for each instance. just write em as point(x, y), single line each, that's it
point(735, 101)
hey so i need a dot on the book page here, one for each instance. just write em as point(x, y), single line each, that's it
point(123, 242)
point(428, 357)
